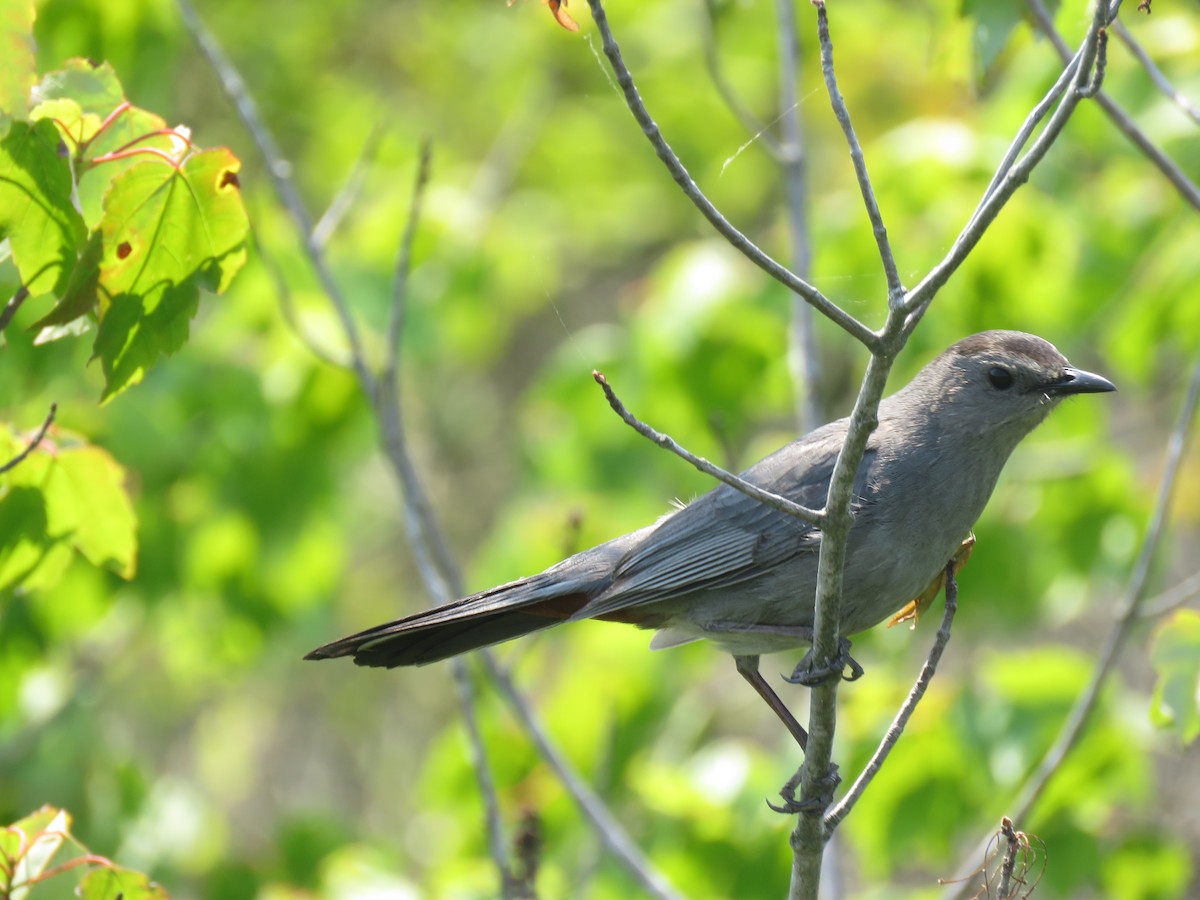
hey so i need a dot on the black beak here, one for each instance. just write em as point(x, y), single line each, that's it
point(1077, 381)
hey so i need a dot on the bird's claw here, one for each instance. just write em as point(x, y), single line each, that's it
point(817, 803)
point(809, 674)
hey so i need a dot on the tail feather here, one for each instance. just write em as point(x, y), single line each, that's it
point(489, 617)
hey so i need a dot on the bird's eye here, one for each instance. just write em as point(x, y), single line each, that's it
point(1000, 378)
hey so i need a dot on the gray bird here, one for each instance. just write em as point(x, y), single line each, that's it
point(728, 569)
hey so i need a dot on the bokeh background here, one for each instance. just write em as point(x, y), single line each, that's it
point(172, 714)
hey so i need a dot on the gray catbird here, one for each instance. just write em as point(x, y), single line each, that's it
point(728, 569)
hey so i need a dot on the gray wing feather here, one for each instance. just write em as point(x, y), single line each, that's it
point(724, 537)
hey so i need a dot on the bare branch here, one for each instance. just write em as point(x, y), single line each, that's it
point(609, 830)
point(1185, 186)
point(395, 326)
point(1156, 74)
point(33, 444)
point(1172, 599)
point(692, 191)
point(1129, 611)
point(920, 296)
point(439, 574)
point(842, 114)
point(10, 308)
point(839, 811)
point(802, 341)
point(712, 62)
point(345, 198)
point(808, 838)
point(279, 170)
point(287, 306)
point(775, 501)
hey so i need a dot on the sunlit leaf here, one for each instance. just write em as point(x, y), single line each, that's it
point(168, 231)
point(36, 213)
point(62, 498)
point(105, 883)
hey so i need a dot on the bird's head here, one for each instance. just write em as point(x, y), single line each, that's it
point(997, 382)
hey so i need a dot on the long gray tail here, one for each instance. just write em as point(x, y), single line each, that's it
point(489, 617)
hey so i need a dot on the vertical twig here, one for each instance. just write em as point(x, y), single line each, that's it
point(793, 162)
point(842, 114)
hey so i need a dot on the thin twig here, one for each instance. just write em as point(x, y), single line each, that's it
point(1013, 844)
point(921, 296)
point(287, 306)
point(767, 498)
point(11, 307)
point(712, 63)
point(609, 830)
point(842, 114)
point(279, 169)
point(1025, 132)
point(1172, 599)
point(809, 836)
point(1128, 614)
point(691, 190)
point(843, 807)
point(422, 529)
point(1156, 74)
point(440, 577)
point(345, 198)
point(1185, 186)
point(793, 163)
point(33, 444)
point(396, 312)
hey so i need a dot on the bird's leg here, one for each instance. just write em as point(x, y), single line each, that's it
point(826, 785)
point(747, 667)
point(809, 674)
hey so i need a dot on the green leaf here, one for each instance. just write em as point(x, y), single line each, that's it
point(79, 297)
point(17, 49)
point(58, 499)
point(168, 231)
point(93, 86)
point(36, 212)
point(86, 498)
point(119, 884)
point(1176, 658)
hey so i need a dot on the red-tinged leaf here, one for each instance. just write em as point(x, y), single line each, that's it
point(36, 213)
point(30, 844)
point(558, 9)
point(168, 231)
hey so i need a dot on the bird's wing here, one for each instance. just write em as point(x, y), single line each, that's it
point(724, 537)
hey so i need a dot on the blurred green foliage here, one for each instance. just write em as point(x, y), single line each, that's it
point(171, 712)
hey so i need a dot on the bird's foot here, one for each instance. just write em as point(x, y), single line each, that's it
point(809, 674)
point(817, 803)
